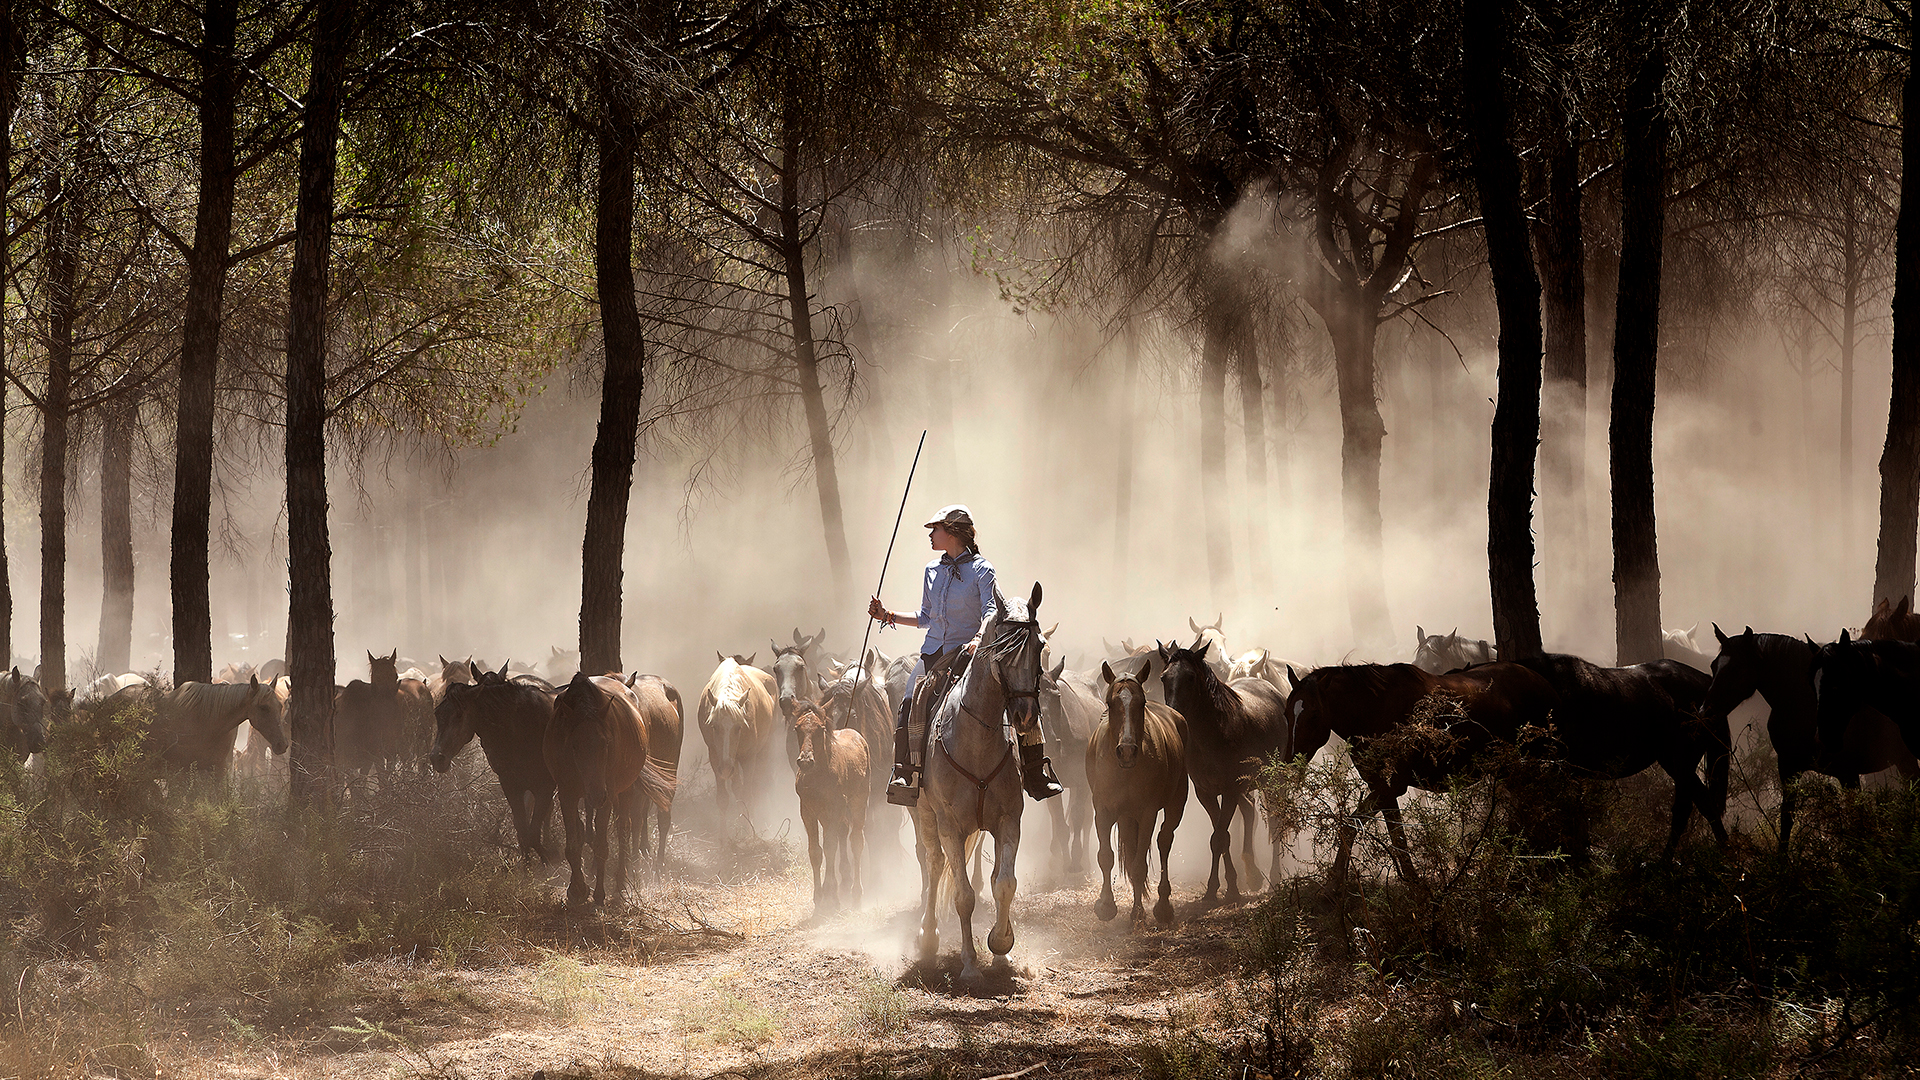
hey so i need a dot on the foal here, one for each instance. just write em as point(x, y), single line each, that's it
point(830, 776)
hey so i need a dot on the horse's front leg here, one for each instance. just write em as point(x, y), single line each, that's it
point(1081, 818)
point(933, 866)
point(1006, 850)
point(1221, 809)
point(1104, 907)
point(1348, 830)
point(955, 846)
point(539, 815)
point(597, 822)
point(1060, 837)
point(1137, 848)
point(1163, 911)
point(576, 840)
point(810, 822)
point(1255, 882)
point(1397, 838)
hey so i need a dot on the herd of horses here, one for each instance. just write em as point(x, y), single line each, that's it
point(1131, 737)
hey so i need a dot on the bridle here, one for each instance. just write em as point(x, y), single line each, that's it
point(1014, 635)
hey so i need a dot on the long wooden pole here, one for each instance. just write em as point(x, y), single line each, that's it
point(890, 541)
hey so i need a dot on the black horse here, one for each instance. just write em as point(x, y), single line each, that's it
point(1850, 675)
point(1232, 729)
point(510, 717)
point(1615, 722)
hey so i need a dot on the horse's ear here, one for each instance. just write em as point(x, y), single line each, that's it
point(394, 655)
point(719, 657)
point(1048, 632)
point(1200, 648)
point(254, 681)
point(1191, 625)
point(370, 658)
point(1218, 618)
point(633, 678)
point(1691, 629)
point(1718, 636)
point(1843, 635)
point(1057, 669)
point(1106, 672)
point(1033, 602)
point(1292, 679)
point(1749, 631)
point(774, 645)
point(817, 638)
point(748, 662)
point(1419, 634)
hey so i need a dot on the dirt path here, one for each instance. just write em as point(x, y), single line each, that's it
point(725, 970)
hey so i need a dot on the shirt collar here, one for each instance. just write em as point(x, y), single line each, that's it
point(965, 557)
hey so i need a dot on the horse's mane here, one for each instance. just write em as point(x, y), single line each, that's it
point(1230, 712)
point(494, 702)
point(1375, 678)
point(209, 700)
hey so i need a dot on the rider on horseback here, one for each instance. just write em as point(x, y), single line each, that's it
point(956, 600)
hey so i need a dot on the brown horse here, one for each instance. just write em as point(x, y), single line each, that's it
point(371, 722)
point(737, 722)
point(24, 731)
point(856, 700)
point(1892, 622)
point(1231, 729)
point(1365, 702)
point(830, 776)
point(193, 724)
point(596, 748)
point(1137, 768)
point(511, 722)
point(665, 730)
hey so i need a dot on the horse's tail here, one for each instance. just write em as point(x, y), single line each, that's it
point(658, 785)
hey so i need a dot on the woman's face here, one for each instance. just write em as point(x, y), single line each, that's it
point(941, 540)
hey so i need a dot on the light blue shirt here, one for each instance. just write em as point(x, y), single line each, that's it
point(955, 600)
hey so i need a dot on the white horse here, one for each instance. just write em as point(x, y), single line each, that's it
point(739, 721)
point(972, 780)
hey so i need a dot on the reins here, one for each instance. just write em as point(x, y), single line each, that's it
point(1016, 635)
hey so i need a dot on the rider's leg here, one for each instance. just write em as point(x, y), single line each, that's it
point(901, 789)
point(1036, 772)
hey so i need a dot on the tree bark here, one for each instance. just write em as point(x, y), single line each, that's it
point(1123, 440)
point(1636, 349)
point(63, 271)
point(1853, 270)
point(200, 347)
point(310, 646)
point(1900, 460)
point(1516, 416)
point(1215, 346)
point(1563, 407)
point(603, 552)
point(1254, 432)
point(1362, 431)
point(114, 652)
point(793, 257)
point(12, 63)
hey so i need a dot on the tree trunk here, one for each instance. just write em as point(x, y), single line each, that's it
point(13, 55)
point(1900, 460)
point(1215, 346)
point(310, 654)
point(1254, 432)
point(63, 271)
point(1123, 439)
point(1853, 269)
point(1516, 416)
point(1563, 407)
point(200, 349)
point(114, 652)
point(1362, 432)
point(1636, 348)
point(603, 552)
point(793, 257)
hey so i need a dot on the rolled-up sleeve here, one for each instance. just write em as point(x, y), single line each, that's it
point(989, 599)
point(925, 615)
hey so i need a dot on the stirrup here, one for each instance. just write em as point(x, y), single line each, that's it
point(901, 790)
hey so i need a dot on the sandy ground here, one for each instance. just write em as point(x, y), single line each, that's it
point(723, 966)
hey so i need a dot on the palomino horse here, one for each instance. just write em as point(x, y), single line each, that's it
point(511, 722)
point(972, 779)
point(1362, 702)
point(1437, 654)
point(664, 736)
point(596, 748)
point(737, 720)
point(1780, 669)
point(1137, 768)
point(830, 776)
point(24, 732)
point(1231, 731)
point(1850, 675)
point(1070, 710)
point(1615, 722)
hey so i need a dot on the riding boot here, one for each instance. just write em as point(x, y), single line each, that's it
point(900, 789)
point(1036, 773)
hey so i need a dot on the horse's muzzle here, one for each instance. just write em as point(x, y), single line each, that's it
point(439, 761)
point(1127, 755)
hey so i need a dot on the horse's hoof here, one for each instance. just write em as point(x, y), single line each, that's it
point(1163, 912)
point(999, 946)
point(1106, 909)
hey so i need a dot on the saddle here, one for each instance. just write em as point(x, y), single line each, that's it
point(943, 670)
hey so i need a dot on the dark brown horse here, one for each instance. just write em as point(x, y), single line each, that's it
point(371, 721)
point(665, 731)
point(1231, 731)
point(510, 720)
point(1136, 766)
point(596, 749)
point(1850, 675)
point(1780, 669)
point(1615, 722)
point(1892, 622)
point(830, 776)
point(23, 715)
point(1366, 704)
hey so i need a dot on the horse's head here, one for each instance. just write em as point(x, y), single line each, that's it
point(1843, 674)
point(454, 721)
point(1126, 713)
point(266, 714)
point(1012, 648)
point(791, 676)
point(453, 672)
point(1308, 723)
point(811, 732)
point(26, 705)
point(1187, 678)
point(384, 670)
point(578, 713)
point(1736, 671)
